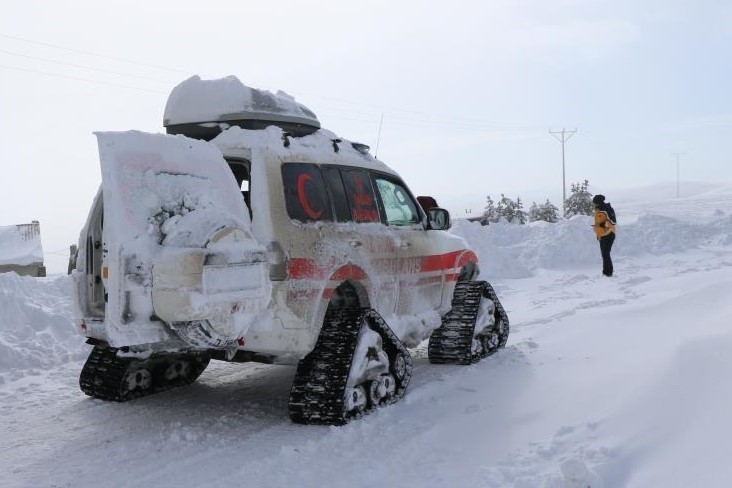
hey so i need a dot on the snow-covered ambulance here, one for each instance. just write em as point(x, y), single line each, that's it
point(248, 233)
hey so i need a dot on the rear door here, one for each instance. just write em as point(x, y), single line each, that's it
point(150, 182)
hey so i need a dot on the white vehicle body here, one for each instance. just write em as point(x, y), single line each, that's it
point(241, 243)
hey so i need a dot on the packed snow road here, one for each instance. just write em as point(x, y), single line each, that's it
point(620, 382)
point(599, 380)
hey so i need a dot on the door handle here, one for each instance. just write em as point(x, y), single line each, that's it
point(405, 244)
point(355, 243)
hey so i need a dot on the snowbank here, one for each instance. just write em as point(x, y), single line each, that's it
point(517, 251)
point(36, 324)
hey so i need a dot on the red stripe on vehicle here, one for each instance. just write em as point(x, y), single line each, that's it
point(349, 271)
point(309, 269)
point(467, 257)
point(439, 262)
point(304, 268)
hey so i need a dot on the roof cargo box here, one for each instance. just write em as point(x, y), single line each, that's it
point(202, 109)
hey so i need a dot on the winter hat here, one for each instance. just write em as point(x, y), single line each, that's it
point(598, 199)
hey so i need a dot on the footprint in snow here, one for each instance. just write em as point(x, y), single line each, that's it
point(575, 474)
point(635, 281)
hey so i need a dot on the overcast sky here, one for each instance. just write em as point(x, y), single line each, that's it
point(468, 90)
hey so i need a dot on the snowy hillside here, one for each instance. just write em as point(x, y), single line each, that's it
point(619, 382)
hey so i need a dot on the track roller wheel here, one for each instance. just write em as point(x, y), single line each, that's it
point(357, 364)
point(475, 327)
point(107, 375)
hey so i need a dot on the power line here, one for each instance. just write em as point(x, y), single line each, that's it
point(414, 118)
point(397, 120)
point(46, 73)
point(84, 67)
point(410, 123)
point(90, 53)
point(566, 135)
point(409, 118)
point(424, 116)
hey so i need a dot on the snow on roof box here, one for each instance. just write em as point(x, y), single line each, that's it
point(203, 108)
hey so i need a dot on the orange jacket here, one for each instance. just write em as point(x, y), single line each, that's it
point(603, 224)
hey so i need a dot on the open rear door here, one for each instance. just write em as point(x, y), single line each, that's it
point(177, 240)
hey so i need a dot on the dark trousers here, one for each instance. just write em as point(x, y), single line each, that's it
point(606, 243)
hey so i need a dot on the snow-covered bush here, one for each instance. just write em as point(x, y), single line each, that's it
point(506, 210)
point(490, 213)
point(580, 201)
point(511, 210)
point(546, 212)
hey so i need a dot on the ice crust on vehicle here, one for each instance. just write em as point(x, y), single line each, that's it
point(165, 196)
point(269, 145)
point(325, 147)
point(159, 180)
point(200, 101)
point(167, 203)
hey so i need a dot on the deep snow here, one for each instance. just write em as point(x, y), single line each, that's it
point(604, 382)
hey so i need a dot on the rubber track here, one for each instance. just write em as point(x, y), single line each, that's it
point(318, 390)
point(500, 315)
point(103, 373)
point(452, 342)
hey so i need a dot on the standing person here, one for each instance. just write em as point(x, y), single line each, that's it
point(605, 230)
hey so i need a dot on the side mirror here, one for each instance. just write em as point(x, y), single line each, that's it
point(438, 219)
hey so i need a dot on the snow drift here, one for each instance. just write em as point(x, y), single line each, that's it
point(517, 251)
point(36, 325)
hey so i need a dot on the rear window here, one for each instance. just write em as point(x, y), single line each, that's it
point(337, 193)
point(361, 197)
point(305, 194)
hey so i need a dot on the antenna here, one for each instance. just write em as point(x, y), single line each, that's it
point(378, 136)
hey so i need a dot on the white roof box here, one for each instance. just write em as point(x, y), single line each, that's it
point(203, 108)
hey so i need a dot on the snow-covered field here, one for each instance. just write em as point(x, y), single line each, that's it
point(619, 382)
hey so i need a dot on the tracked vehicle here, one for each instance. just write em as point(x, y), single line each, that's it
point(249, 233)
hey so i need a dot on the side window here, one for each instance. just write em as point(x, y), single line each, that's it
point(361, 196)
point(398, 204)
point(337, 193)
point(242, 174)
point(305, 194)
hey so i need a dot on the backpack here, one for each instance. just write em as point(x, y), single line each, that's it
point(610, 213)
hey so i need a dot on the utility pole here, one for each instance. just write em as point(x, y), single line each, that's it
point(565, 136)
point(678, 155)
